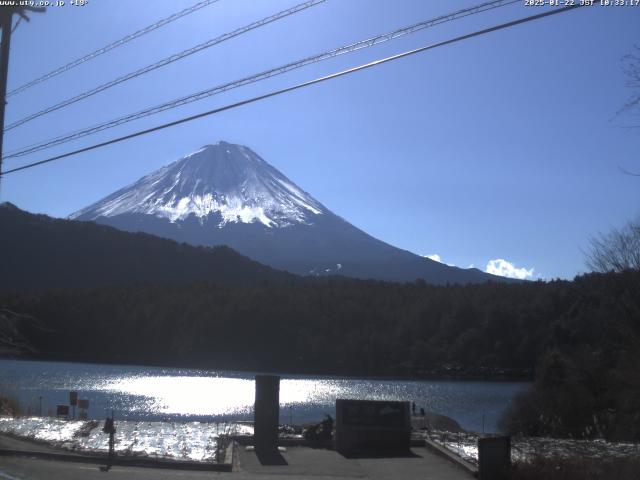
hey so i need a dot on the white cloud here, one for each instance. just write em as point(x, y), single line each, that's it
point(437, 258)
point(503, 268)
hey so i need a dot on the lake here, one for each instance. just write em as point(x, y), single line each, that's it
point(174, 394)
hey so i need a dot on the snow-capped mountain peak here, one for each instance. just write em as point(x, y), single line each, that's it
point(225, 194)
point(225, 179)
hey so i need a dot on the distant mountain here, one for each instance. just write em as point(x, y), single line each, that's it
point(39, 252)
point(225, 194)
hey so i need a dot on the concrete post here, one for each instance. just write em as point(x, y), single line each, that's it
point(267, 410)
point(494, 457)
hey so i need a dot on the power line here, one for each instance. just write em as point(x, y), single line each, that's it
point(111, 46)
point(166, 61)
point(298, 86)
point(369, 42)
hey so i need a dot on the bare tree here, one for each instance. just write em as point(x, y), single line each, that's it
point(631, 68)
point(617, 250)
point(12, 340)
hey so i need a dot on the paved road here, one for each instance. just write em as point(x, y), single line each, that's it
point(296, 462)
point(17, 468)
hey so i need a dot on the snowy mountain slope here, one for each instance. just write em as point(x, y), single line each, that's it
point(227, 179)
point(227, 194)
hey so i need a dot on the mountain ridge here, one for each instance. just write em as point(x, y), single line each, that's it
point(41, 252)
point(227, 194)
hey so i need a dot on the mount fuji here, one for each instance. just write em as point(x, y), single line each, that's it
point(227, 194)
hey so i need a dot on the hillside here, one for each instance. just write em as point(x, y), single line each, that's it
point(40, 252)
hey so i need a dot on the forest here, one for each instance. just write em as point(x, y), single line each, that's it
point(78, 291)
point(579, 340)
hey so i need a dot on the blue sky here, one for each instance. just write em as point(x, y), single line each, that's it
point(506, 146)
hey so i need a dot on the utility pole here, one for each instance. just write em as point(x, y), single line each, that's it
point(6, 23)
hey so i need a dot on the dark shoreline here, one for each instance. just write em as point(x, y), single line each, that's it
point(450, 373)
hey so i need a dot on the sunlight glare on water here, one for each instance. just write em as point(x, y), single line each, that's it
point(188, 395)
point(199, 395)
point(138, 393)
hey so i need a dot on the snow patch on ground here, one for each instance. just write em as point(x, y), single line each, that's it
point(196, 441)
point(465, 445)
